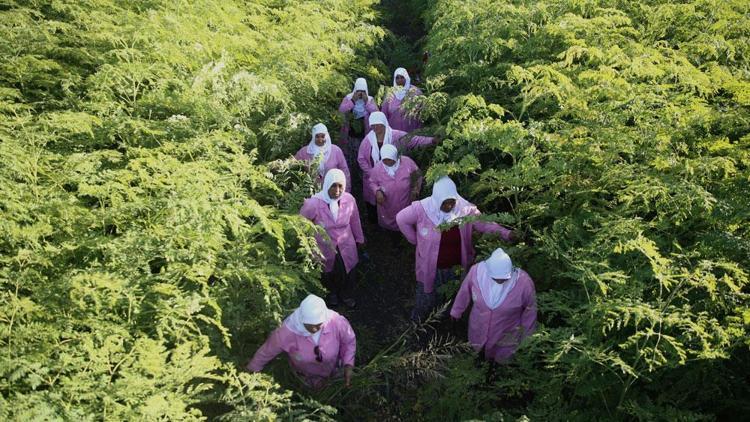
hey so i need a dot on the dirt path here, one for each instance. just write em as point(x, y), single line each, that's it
point(385, 287)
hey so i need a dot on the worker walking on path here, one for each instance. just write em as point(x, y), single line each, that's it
point(443, 239)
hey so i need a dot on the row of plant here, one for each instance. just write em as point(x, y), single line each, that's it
point(617, 135)
point(146, 243)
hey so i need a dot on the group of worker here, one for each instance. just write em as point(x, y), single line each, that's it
point(320, 343)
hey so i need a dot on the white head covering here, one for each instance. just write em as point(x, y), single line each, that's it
point(497, 266)
point(332, 176)
point(314, 150)
point(360, 85)
point(359, 106)
point(311, 311)
point(444, 188)
point(390, 151)
point(400, 92)
point(378, 118)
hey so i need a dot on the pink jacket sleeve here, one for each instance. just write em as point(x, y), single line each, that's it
point(407, 223)
point(269, 350)
point(347, 342)
point(363, 157)
point(528, 316)
point(300, 155)
point(346, 105)
point(464, 295)
point(418, 141)
point(486, 227)
point(374, 181)
point(356, 225)
point(308, 210)
point(415, 141)
point(371, 106)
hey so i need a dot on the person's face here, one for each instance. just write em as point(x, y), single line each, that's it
point(400, 80)
point(500, 280)
point(388, 162)
point(320, 139)
point(335, 190)
point(379, 129)
point(360, 95)
point(313, 328)
point(448, 205)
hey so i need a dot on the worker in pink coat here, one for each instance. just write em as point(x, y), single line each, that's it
point(504, 306)
point(331, 156)
point(396, 181)
point(355, 108)
point(318, 342)
point(360, 104)
point(336, 211)
point(439, 249)
point(401, 92)
point(369, 153)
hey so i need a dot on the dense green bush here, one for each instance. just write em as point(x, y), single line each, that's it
point(148, 237)
point(143, 242)
point(618, 134)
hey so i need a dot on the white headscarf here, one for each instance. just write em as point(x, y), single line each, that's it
point(311, 311)
point(359, 106)
point(443, 189)
point(314, 150)
point(400, 92)
point(390, 151)
point(378, 118)
point(332, 176)
point(497, 266)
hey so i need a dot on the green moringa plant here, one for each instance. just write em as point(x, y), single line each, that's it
point(145, 247)
point(617, 133)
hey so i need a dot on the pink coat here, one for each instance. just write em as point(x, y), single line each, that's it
point(396, 118)
point(499, 330)
point(347, 105)
point(337, 345)
point(344, 233)
point(365, 160)
point(335, 160)
point(419, 230)
point(397, 190)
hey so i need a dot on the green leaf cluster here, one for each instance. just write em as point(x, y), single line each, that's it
point(145, 247)
point(617, 135)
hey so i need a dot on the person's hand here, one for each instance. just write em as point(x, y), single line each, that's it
point(379, 197)
point(414, 195)
point(348, 376)
point(514, 237)
point(437, 139)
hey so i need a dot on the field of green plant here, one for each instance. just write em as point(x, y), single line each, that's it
point(618, 134)
point(144, 236)
point(149, 237)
